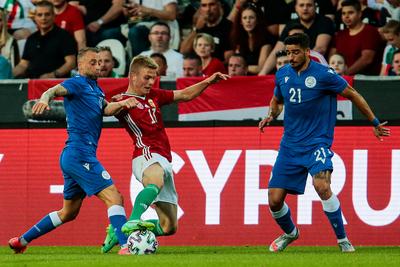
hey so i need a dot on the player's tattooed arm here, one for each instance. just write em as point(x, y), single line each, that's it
point(275, 108)
point(43, 103)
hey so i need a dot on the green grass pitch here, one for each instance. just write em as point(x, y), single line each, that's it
point(203, 256)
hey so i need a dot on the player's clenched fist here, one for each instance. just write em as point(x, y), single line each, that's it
point(129, 103)
point(39, 108)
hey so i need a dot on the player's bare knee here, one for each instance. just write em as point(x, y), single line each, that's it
point(67, 215)
point(275, 201)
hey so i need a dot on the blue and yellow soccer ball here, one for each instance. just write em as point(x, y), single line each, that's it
point(142, 242)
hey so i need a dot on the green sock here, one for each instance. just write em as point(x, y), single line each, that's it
point(158, 231)
point(144, 200)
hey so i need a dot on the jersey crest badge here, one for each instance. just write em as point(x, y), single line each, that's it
point(151, 103)
point(105, 175)
point(310, 82)
point(140, 106)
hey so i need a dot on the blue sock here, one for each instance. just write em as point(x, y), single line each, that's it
point(284, 219)
point(334, 213)
point(117, 217)
point(45, 225)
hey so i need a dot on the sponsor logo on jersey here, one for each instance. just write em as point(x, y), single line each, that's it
point(105, 175)
point(310, 82)
point(86, 166)
point(332, 71)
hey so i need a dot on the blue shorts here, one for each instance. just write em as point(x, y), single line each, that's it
point(83, 173)
point(291, 167)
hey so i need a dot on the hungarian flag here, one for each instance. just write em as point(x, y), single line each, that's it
point(239, 98)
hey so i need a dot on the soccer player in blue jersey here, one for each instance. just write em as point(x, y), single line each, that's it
point(85, 107)
point(308, 92)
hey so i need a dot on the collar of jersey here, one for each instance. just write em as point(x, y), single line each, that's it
point(141, 97)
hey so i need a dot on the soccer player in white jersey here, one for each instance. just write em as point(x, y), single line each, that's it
point(151, 161)
point(308, 92)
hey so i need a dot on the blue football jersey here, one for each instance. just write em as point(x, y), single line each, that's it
point(310, 104)
point(84, 110)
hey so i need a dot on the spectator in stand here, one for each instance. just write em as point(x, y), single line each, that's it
point(276, 13)
point(159, 37)
point(106, 63)
point(360, 44)
point(8, 45)
point(369, 16)
point(322, 7)
point(20, 25)
point(281, 59)
point(237, 65)
point(161, 62)
point(391, 33)
point(70, 18)
point(141, 15)
point(389, 9)
point(209, 19)
point(204, 45)
point(337, 62)
point(192, 66)
point(103, 19)
point(395, 71)
point(49, 52)
point(319, 28)
point(250, 38)
point(5, 68)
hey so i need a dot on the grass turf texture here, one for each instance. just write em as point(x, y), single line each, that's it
point(204, 256)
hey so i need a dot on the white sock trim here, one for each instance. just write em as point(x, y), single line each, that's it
point(116, 210)
point(280, 213)
point(331, 205)
point(23, 241)
point(55, 219)
point(342, 239)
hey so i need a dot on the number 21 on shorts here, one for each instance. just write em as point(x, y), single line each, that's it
point(321, 153)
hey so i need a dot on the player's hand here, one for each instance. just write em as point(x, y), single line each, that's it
point(116, 98)
point(265, 122)
point(129, 103)
point(216, 77)
point(39, 108)
point(381, 131)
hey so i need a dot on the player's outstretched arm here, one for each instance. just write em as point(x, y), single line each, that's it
point(195, 90)
point(43, 103)
point(362, 105)
point(114, 108)
point(275, 108)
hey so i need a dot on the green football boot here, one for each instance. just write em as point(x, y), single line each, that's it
point(134, 225)
point(110, 241)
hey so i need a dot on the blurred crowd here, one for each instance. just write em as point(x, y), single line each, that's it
point(40, 39)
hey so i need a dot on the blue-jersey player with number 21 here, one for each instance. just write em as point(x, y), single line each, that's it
point(308, 92)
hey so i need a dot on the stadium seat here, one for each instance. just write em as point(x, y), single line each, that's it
point(118, 52)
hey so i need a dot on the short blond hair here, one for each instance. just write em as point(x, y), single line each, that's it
point(140, 62)
point(206, 37)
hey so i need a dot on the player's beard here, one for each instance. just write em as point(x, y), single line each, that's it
point(301, 64)
point(92, 76)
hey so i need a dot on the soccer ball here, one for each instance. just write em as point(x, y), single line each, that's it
point(142, 242)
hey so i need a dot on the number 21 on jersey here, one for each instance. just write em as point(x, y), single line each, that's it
point(295, 95)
